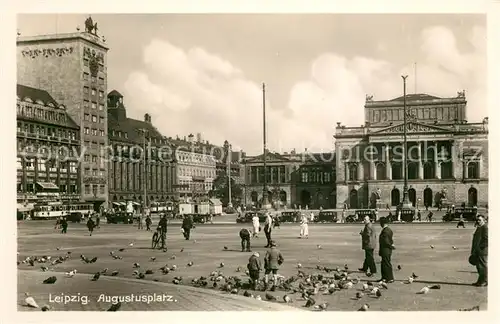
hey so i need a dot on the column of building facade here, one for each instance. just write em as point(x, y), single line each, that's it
point(437, 167)
point(360, 171)
point(465, 170)
point(346, 170)
point(373, 169)
point(453, 157)
point(420, 162)
point(388, 170)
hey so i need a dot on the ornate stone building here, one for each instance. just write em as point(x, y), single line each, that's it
point(48, 147)
point(127, 137)
point(447, 156)
point(72, 67)
point(304, 179)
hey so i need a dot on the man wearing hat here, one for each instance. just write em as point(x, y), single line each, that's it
point(254, 267)
point(245, 240)
point(272, 261)
point(479, 251)
point(386, 245)
point(268, 226)
point(368, 242)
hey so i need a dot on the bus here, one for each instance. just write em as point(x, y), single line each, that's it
point(53, 210)
point(161, 207)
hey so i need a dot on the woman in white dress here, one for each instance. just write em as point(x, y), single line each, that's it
point(256, 226)
point(304, 227)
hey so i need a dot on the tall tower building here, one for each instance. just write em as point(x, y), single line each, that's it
point(72, 67)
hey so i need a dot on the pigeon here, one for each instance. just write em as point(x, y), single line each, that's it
point(176, 281)
point(172, 257)
point(137, 265)
point(182, 250)
point(364, 308)
point(319, 247)
point(234, 291)
point(299, 265)
point(96, 276)
point(359, 295)
point(258, 297)
point(115, 307)
point(50, 280)
point(409, 280)
point(71, 273)
point(121, 250)
point(246, 293)
point(149, 271)
point(424, 290)
point(346, 267)
point(32, 263)
point(173, 267)
point(30, 301)
point(135, 273)
point(287, 299)
point(270, 297)
point(435, 286)
point(141, 276)
point(414, 276)
point(114, 273)
point(152, 258)
point(225, 248)
point(45, 308)
point(104, 270)
point(112, 252)
point(310, 302)
point(321, 307)
point(432, 246)
point(399, 267)
point(58, 248)
point(221, 265)
point(44, 268)
point(455, 248)
point(190, 264)
point(378, 293)
point(131, 244)
point(365, 286)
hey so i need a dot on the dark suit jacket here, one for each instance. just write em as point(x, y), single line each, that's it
point(273, 258)
point(480, 241)
point(368, 237)
point(385, 241)
point(187, 223)
point(254, 263)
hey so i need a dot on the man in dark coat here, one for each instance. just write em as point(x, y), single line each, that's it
point(368, 242)
point(245, 240)
point(64, 225)
point(272, 261)
point(187, 225)
point(148, 223)
point(386, 245)
point(479, 251)
point(90, 225)
point(268, 227)
point(254, 267)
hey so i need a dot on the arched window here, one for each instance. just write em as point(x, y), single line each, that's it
point(380, 171)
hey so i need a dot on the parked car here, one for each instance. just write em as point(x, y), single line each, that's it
point(290, 216)
point(118, 218)
point(326, 216)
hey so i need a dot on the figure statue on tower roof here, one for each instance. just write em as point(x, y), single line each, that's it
point(90, 26)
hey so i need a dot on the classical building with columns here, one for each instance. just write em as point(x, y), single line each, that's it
point(293, 179)
point(447, 156)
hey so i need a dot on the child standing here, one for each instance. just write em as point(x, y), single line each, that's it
point(254, 267)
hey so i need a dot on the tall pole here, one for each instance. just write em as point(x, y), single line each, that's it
point(405, 203)
point(265, 203)
point(228, 169)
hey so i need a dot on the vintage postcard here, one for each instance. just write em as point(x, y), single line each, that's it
point(304, 162)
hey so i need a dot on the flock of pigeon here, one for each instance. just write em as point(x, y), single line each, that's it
point(304, 288)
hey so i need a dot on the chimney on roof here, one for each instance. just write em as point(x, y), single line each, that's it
point(147, 118)
point(198, 138)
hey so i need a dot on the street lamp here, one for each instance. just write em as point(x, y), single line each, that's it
point(406, 204)
point(265, 200)
point(228, 169)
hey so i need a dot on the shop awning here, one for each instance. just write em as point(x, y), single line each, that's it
point(116, 203)
point(48, 185)
point(135, 204)
point(24, 208)
point(122, 203)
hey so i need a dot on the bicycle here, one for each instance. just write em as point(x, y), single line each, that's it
point(158, 239)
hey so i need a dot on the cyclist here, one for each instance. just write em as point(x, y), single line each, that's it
point(162, 226)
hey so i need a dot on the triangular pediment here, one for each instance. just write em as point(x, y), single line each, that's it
point(411, 127)
point(270, 157)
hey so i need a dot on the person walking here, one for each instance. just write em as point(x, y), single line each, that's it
point(245, 240)
point(268, 227)
point(148, 223)
point(187, 225)
point(90, 225)
point(97, 221)
point(479, 252)
point(64, 225)
point(272, 261)
point(304, 227)
point(254, 267)
point(256, 225)
point(386, 245)
point(368, 242)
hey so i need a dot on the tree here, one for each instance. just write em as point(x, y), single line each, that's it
point(220, 190)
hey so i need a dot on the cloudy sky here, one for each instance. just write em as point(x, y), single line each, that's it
point(203, 73)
